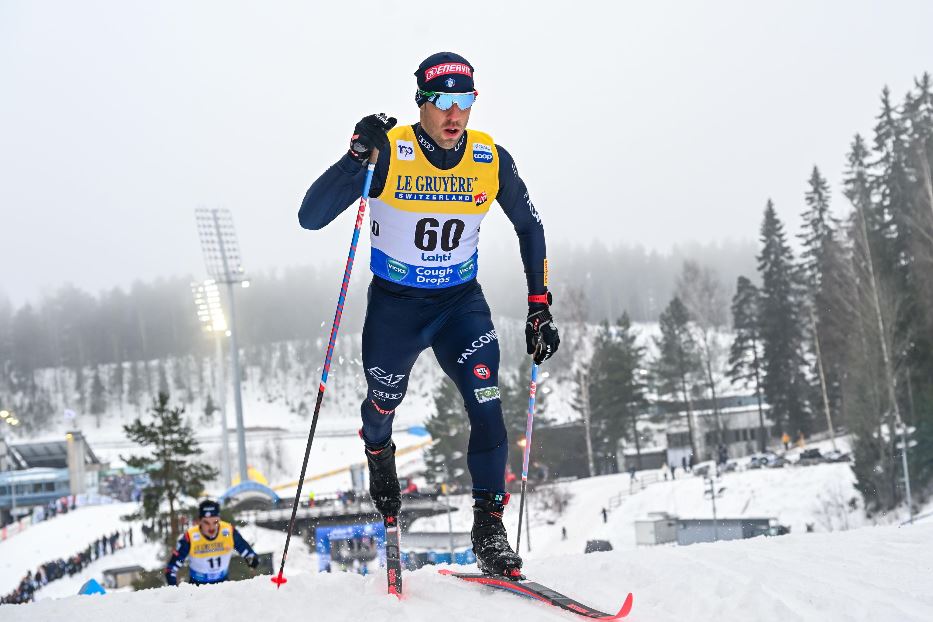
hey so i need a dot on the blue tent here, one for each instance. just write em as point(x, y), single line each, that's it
point(92, 587)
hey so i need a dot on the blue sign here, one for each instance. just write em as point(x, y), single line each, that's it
point(324, 536)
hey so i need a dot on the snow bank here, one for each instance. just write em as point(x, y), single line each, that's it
point(873, 574)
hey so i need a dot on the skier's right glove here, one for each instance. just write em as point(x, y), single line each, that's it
point(252, 561)
point(369, 133)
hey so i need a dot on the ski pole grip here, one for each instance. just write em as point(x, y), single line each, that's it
point(374, 156)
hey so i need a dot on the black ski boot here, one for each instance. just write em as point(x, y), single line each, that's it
point(494, 554)
point(383, 481)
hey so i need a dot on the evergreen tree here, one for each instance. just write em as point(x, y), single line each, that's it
point(170, 460)
point(116, 383)
point(80, 393)
point(616, 391)
point(135, 385)
point(891, 185)
point(678, 364)
point(163, 378)
point(98, 401)
point(864, 383)
point(779, 322)
point(449, 426)
point(817, 240)
point(209, 409)
point(745, 365)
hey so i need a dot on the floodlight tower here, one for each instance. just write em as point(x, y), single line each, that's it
point(211, 316)
point(222, 258)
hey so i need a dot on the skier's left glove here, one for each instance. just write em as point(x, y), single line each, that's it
point(541, 337)
point(253, 561)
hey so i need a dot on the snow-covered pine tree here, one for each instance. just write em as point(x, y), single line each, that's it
point(745, 353)
point(170, 459)
point(98, 397)
point(117, 378)
point(616, 391)
point(817, 240)
point(780, 323)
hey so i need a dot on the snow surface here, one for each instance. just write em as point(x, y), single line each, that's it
point(875, 574)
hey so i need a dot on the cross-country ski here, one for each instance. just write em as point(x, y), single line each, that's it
point(536, 591)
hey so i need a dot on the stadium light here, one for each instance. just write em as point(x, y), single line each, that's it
point(211, 315)
point(224, 264)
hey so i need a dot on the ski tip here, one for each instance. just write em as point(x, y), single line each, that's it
point(626, 608)
point(279, 580)
point(445, 571)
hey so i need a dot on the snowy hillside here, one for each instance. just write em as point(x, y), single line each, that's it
point(818, 577)
point(65, 535)
point(279, 389)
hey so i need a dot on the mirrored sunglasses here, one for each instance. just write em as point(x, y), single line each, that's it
point(444, 101)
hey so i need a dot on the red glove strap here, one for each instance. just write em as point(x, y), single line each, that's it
point(541, 299)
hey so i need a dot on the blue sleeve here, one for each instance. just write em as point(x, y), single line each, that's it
point(336, 189)
point(242, 546)
point(516, 203)
point(177, 560)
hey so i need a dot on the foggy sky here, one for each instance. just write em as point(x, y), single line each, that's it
point(632, 122)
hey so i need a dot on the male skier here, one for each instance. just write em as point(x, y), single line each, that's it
point(433, 184)
point(210, 545)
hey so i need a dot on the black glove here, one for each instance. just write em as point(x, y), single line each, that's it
point(370, 133)
point(541, 336)
point(252, 561)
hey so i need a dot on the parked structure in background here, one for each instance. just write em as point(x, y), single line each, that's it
point(668, 440)
point(664, 528)
point(36, 474)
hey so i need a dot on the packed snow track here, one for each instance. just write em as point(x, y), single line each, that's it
point(879, 574)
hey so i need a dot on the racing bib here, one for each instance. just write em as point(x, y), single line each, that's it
point(425, 225)
point(209, 560)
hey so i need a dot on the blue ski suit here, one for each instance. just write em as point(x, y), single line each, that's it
point(408, 312)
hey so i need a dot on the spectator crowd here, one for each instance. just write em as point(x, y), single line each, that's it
point(107, 544)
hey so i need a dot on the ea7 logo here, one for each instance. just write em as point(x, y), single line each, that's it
point(384, 377)
point(406, 149)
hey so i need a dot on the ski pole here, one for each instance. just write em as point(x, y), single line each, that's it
point(528, 426)
point(364, 201)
